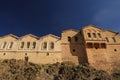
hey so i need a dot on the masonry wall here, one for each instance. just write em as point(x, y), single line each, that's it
point(96, 53)
point(113, 49)
point(73, 50)
point(100, 48)
point(35, 55)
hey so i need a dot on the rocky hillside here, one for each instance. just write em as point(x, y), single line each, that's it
point(21, 70)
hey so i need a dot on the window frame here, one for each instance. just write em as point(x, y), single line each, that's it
point(94, 35)
point(99, 35)
point(52, 45)
point(103, 45)
point(44, 46)
point(96, 45)
point(10, 45)
point(28, 44)
point(76, 39)
point(69, 39)
point(33, 45)
point(22, 44)
point(107, 39)
point(89, 35)
point(113, 38)
point(89, 45)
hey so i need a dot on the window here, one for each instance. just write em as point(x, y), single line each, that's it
point(28, 44)
point(44, 45)
point(107, 39)
point(89, 35)
point(114, 40)
point(69, 38)
point(103, 45)
point(99, 35)
point(76, 38)
point(96, 45)
point(10, 45)
point(34, 44)
point(89, 45)
point(22, 45)
point(3, 44)
point(94, 35)
point(51, 45)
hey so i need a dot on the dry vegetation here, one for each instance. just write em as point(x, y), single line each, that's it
point(21, 70)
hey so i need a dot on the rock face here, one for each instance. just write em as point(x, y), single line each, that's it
point(22, 70)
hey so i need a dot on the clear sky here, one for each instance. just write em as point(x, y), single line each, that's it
point(41, 17)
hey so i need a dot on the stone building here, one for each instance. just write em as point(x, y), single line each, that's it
point(98, 47)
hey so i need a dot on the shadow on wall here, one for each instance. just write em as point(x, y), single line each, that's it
point(77, 47)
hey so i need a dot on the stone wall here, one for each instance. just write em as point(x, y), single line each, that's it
point(93, 45)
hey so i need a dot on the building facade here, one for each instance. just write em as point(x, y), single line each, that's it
point(93, 45)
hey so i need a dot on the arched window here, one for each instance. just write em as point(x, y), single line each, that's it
point(114, 40)
point(28, 44)
point(22, 45)
point(94, 35)
point(89, 35)
point(44, 45)
point(10, 45)
point(99, 35)
point(51, 45)
point(69, 38)
point(34, 44)
point(3, 44)
point(107, 39)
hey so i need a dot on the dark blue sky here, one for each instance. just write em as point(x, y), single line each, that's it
point(41, 17)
